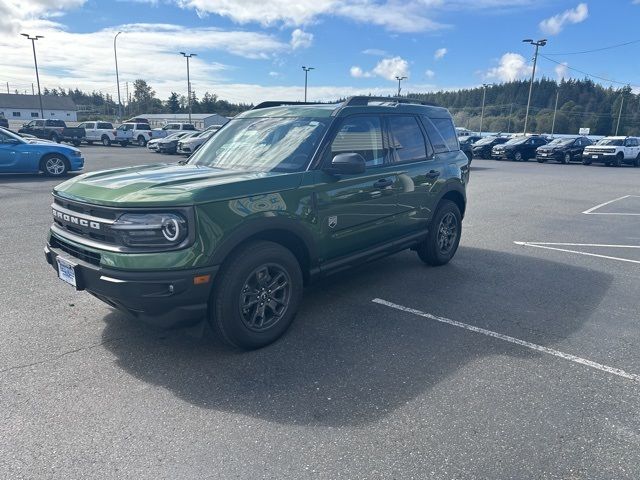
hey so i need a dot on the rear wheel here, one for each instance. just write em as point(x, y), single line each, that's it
point(106, 141)
point(444, 234)
point(54, 165)
point(141, 141)
point(54, 138)
point(258, 294)
point(76, 143)
point(567, 158)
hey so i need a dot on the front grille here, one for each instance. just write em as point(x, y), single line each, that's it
point(599, 150)
point(77, 252)
point(103, 216)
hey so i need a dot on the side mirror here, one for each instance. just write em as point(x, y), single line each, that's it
point(347, 163)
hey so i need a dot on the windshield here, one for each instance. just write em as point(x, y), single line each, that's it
point(9, 135)
point(263, 144)
point(517, 141)
point(485, 141)
point(562, 141)
point(617, 142)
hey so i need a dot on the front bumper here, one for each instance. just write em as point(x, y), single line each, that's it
point(599, 157)
point(167, 298)
point(549, 156)
point(76, 164)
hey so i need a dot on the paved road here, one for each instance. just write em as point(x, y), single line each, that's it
point(356, 389)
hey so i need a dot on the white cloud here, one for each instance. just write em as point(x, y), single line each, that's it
point(562, 70)
point(429, 74)
point(440, 53)
point(390, 68)
point(380, 53)
point(555, 24)
point(510, 67)
point(357, 72)
point(13, 13)
point(301, 39)
point(274, 74)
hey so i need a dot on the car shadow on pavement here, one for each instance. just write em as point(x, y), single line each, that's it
point(348, 361)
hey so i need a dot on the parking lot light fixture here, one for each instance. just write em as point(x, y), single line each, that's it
point(537, 44)
point(400, 80)
point(306, 72)
point(188, 56)
point(484, 95)
point(115, 54)
point(35, 61)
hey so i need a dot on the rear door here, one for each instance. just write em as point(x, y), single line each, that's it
point(357, 211)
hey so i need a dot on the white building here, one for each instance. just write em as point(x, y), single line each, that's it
point(23, 108)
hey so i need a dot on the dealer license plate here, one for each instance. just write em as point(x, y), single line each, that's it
point(594, 156)
point(66, 271)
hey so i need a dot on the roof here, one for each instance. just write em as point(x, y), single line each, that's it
point(49, 102)
point(178, 116)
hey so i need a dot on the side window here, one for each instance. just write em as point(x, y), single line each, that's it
point(406, 139)
point(188, 127)
point(361, 135)
point(448, 132)
point(143, 126)
point(438, 143)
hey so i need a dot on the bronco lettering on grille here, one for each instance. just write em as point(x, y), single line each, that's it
point(76, 220)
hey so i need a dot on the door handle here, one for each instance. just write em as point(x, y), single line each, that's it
point(433, 174)
point(382, 183)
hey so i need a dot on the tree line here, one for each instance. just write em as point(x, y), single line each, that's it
point(581, 103)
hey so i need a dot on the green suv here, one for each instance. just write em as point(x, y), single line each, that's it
point(281, 195)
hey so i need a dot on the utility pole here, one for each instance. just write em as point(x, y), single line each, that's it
point(484, 95)
point(188, 56)
point(115, 54)
point(7, 87)
point(620, 111)
point(126, 98)
point(400, 80)
point(35, 61)
point(555, 110)
point(538, 44)
point(32, 90)
point(306, 73)
point(509, 118)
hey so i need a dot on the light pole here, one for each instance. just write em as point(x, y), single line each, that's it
point(509, 118)
point(400, 80)
point(35, 61)
point(115, 54)
point(555, 110)
point(620, 111)
point(188, 56)
point(484, 95)
point(306, 72)
point(538, 44)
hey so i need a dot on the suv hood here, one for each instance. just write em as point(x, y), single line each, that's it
point(171, 185)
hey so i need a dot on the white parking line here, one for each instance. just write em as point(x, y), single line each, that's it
point(532, 346)
point(547, 246)
point(592, 211)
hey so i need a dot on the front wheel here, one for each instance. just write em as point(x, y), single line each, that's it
point(518, 157)
point(586, 161)
point(636, 162)
point(54, 166)
point(444, 234)
point(541, 160)
point(618, 161)
point(567, 158)
point(258, 292)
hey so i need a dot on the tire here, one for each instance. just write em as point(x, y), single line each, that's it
point(636, 162)
point(54, 165)
point(618, 161)
point(106, 141)
point(141, 141)
point(518, 157)
point(89, 142)
point(431, 250)
point(567, 159)
point(586, 161)
point(124, 144)
point(256, 266)
point(541, 160)
point(76, 143)
point(54, 138)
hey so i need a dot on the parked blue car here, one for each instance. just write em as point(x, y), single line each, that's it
point(18, 155)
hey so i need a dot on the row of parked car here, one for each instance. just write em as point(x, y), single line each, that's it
point(184, 142)
point(616, 151)
point(134, 131)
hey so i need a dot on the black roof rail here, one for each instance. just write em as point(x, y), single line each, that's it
point(275, 103)
point(363, 100)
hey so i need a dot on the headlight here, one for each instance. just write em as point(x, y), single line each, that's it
point(77, 153)
point(151, 229)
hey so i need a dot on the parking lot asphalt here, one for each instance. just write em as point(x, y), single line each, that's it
point(391, 370)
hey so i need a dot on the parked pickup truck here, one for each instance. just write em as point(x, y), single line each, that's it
point(104, 133)
point(613, 151)
point(54, 130)
point(139, 133)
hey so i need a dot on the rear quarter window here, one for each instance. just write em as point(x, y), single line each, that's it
point(143, 126)
point(447, 131)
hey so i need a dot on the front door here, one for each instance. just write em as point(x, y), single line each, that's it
point(356, 212)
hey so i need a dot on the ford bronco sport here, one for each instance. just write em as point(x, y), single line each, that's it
point(282, 194)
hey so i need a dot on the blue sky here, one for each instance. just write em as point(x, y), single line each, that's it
point(253, 49)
